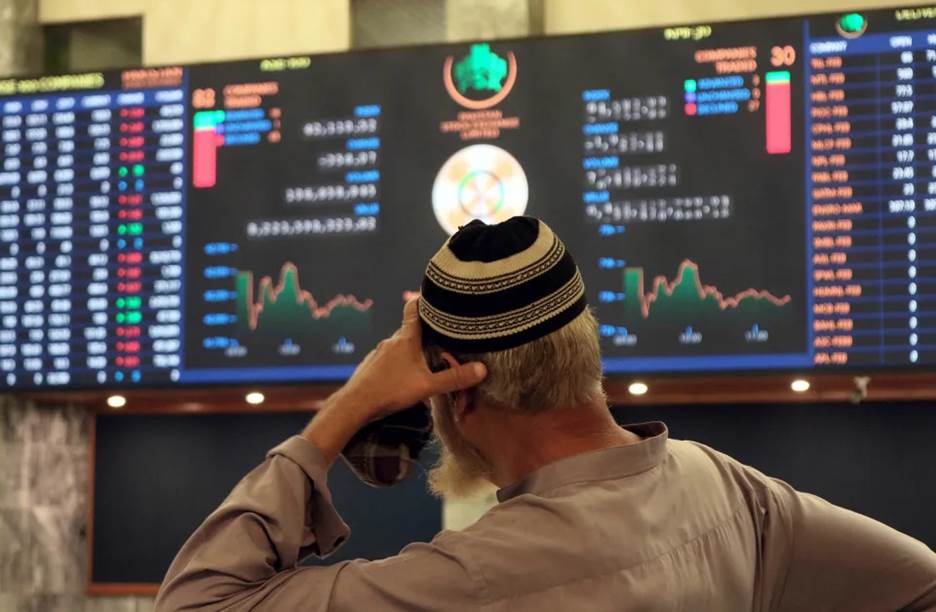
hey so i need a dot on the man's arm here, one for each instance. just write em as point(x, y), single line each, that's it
point(841, 560)
point(816, 556)
point(243, 557)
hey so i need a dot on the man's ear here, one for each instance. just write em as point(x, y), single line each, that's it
point(462, 402)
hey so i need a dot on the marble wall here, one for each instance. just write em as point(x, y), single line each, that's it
point(43, 501)
point(20, 38)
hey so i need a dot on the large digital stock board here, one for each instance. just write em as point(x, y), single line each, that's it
point(739, 196)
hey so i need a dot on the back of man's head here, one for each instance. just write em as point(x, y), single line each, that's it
point(510, 295)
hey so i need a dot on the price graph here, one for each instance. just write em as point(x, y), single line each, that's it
point(687, 294)
point(285, 307)
point(682, 314)
point(276, 321)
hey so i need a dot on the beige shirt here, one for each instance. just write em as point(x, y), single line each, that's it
point(659, 525)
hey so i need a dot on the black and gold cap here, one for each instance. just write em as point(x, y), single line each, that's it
point(496, 287)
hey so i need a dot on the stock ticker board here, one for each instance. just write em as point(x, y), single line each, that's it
point(739, 196)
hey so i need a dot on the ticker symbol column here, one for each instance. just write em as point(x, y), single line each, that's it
point(845, 209)
point(11, 213)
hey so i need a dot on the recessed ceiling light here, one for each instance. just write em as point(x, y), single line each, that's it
point(116, 401)
point(255, 398)
point(638, 388)
point(800, 385)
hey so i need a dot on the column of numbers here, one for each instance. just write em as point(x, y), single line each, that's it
point(909, 186)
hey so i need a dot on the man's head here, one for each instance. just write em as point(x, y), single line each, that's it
point(510, 296)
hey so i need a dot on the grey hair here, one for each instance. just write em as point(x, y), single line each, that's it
point(560, 369)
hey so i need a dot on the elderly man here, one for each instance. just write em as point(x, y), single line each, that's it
point(592, 516)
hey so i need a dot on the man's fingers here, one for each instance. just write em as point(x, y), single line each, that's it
point(457, 377)
point(411, 313)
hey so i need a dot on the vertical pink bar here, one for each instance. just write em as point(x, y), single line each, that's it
point(205, 158)
point(779, 130)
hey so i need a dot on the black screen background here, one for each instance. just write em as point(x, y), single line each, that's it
point(761, 246)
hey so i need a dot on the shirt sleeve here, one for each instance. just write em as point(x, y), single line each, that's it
point(841, 560)
point(244, 556)
point(813, 555)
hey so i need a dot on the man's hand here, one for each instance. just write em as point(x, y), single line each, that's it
point(392, 377)
point(395, 375)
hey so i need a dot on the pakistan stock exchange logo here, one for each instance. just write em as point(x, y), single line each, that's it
point(482, 78)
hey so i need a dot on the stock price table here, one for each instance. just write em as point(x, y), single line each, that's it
point(872, 190)
point(91, 218)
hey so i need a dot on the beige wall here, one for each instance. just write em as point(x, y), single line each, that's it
point(185, 31)
point(62, 11)
point(568, 16)
point(176, 31)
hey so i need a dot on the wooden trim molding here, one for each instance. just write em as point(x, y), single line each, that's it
point(120, 588)
point(715, 388)
point(193, 400)
point(775, 388)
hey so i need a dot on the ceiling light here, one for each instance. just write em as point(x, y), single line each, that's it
point(116, 401)
point(638, 388)
point(255, 398)
point(800, 385)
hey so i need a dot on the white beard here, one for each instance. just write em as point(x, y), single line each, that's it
point(461, 471)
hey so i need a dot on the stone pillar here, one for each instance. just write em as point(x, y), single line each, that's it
point(20, 38)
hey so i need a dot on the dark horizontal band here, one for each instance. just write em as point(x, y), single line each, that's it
point(431, 337)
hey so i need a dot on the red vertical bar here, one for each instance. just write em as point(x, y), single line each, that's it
point(779, 130)
point(205, 158)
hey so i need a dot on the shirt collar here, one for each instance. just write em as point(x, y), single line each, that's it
point(602, 464)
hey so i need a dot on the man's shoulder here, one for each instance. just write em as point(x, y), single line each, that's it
point(698, 456)
point(757, 489)
point(697, 449)
point(693, 458)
